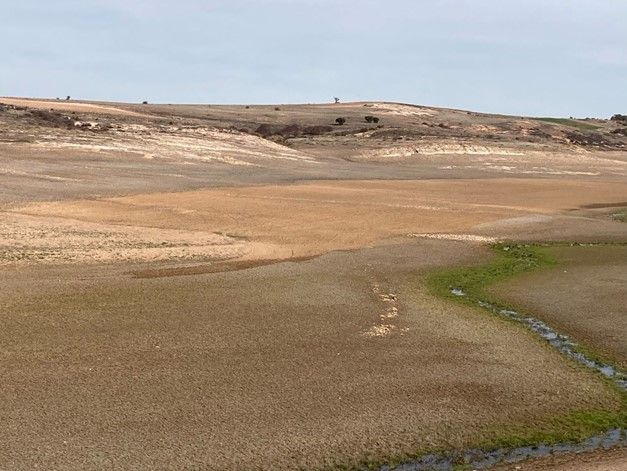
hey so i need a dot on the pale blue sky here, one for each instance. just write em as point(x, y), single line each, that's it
point(534, 57)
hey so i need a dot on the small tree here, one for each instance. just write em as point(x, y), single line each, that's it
point(67, 98)
point(337, 100)
point(340, 121)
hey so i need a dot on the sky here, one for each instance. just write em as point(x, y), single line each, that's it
point(523, 57)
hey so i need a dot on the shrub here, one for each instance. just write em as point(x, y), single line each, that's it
point(268, 130)
point(375, 119)
point(340, 121)
point(67, 98)
point(620, 118)
point(144, 102)
point(265, 130)
point(317, 130)
point(291, 130)
point(277, 108)
point(369, 119)
point(51, 119)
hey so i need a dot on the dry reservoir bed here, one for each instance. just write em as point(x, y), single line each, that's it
point(585, 295)
point(278, 222)
point(308, 364)
point(330, 360)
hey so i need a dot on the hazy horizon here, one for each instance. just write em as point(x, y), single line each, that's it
point(538, 59)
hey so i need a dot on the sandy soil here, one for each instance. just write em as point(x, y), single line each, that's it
point(314, 218)
point(584, 296)
point(108, 149)
point(148, 324)
point(63, 105)
point(269, 368)
point(26, 240)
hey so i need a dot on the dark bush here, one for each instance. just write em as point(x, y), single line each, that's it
point(317, 130)
point(51, 119)
point(266, 130)
point(375, 119)
point(291, 130)
point(588, 139)
point(67, 98)
point(144, 102)
point(539, 133)
point(621, 118)
point(277, 108)
point(369, 119)
point(340, 121)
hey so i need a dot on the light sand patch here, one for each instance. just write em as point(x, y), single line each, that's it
point(312, 218)
point(62, 105)
point(517, 221)
point(459, 237)
point(388, 319)
point(47, 240)
point(380, 330)
point(190, 144)
point(403, 110)
point(418, 149)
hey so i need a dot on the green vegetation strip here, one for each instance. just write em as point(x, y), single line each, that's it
point(569, 122)
point(512, 260)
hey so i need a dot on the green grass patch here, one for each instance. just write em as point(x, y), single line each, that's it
point(510, 260)
point(575, 427)
point(570, 122)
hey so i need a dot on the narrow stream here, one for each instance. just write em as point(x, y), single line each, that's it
point(558, 341)
point(482, 459)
